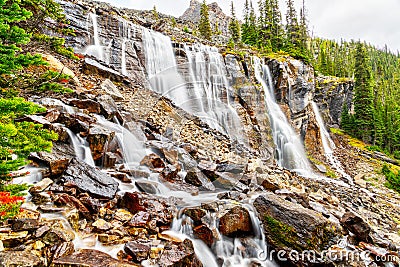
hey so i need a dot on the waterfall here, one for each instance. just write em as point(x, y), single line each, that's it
point(238, 252)
point(205, 93)
point(132, 148)
point(81, 148)
point(95, 49)
point(290, 153)
point(328, 144)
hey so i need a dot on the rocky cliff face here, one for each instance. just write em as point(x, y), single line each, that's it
point(218, 19)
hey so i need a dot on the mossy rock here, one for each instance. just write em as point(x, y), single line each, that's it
point(291, 226)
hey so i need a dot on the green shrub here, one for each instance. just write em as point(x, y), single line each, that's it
point(392, 178)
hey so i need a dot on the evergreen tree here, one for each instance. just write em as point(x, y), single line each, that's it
point(303, 28)
point(12, 37)
point(276, 26)
point(363, 96)
point(234, 26)
point(292, 25)
point(249, 28)
point(204, 24)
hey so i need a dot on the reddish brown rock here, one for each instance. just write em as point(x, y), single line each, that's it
point(137, 251)
point(153, 161)
point(88, 104)
point(236, 222)
point(90, 258)
point(356, 225)
point(179, 255)
point(204, 233)
point(98, 138)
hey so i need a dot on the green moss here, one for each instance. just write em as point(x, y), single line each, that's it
point(331, 174)
point(337, 131)
point(281, 234)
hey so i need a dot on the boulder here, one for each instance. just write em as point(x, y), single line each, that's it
point(236, 222)
point(356, 225)
point(111, 89)
point(24, 224)
point(137, 251)
point(20, 259)
point(204, 233)
point(98, 138)
point(197, 178)
point(108, 107)
point(40, 186)
point(56, 65)
point(90, 179)
point(63, 249)
point(290, 225)
point(57, 163)
point(169, 173)
point(178, 255)
point(88, 104)
point(77, 124)
point(153, 161)
point(89, 258)
point(195, 214)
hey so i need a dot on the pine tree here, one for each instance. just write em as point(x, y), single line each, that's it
point(363, 95)
point(234, 26)
point(249, 28)
point(303, 28)
point(276, 26)
point(204, 24)
point(292, 25)
point(12, 37)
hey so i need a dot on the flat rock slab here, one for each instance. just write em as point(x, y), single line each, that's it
point(20, 259)
point(90, 258)
point(90, 179)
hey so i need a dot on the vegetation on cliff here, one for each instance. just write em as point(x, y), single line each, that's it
point(22, 72)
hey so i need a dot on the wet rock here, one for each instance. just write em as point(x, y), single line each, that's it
point(24, 224)
point(269, 185)
point(140, 219)
point(90, 179)
point(153, 161)
point(132, 202)
point(147, 186)
point(52, 115)
point(356, 225)
point(236, 222)
point(289, 225)
point(122, 215)
point(197, 178)
point(123, 177)
point(110, 159)
point(74, 122)
point(169, 173)
point(108, 107)
point(137, 251)
point(195, 214)
point(98, 138)
point(110, 89)
point(65, 199)
point(20, 259)
point(88, 104)
point(232, 168)
point(209, 169)
point(13, 239)
point(204, 233)
point(92, 204)
point(41, 186)
point(41, 231)
point(89, 258)
point(63, 249)
point(229, 181)
point(57, 163)
point(53, 237)
point(101, 225)
point(179, 255)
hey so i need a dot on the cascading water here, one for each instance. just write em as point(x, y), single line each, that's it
point(238, 252)
point(290, 153)
point(81, 148)
point(132, 148)
point(95, 49)
point(328, 144)
point(205, 93)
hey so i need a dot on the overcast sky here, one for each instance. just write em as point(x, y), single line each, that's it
point(375, 21)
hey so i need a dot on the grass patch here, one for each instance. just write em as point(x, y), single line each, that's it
point(392, 178)
point(337, 131)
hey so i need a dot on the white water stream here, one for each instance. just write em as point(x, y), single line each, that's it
point(290, 152)
point(328, 144)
